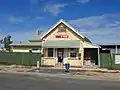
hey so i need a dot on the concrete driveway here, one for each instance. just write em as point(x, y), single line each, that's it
point(31, 82)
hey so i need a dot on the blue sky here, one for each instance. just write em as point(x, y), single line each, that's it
point(99, 20)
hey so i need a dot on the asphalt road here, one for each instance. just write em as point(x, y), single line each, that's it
point(30, 82)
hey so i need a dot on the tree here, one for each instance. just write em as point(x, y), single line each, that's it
point(1, 41)
point(6, 41)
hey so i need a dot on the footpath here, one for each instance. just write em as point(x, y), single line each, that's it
point(79, 73)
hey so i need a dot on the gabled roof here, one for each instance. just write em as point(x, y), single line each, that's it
point(62, 21)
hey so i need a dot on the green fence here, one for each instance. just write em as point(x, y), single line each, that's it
point(107, 60)
point(19, 58)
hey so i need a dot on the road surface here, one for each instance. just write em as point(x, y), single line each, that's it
point(30, 82)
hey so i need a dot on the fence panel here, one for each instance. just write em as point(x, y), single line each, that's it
point(34, 61)
point(114, 65)
point(105, 59)
point(19, 58)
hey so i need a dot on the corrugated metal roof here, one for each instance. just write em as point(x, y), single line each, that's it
point(111, 44)
point(89, 45)
point(37, 38)
point(27, 44)
point(62, 44)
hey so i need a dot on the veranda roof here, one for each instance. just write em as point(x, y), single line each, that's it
point(62, 44)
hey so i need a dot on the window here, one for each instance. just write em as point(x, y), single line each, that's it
point(61, 29)
point(73, 52)
point(50, 52)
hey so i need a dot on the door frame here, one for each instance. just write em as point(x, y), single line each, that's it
point(62, 51)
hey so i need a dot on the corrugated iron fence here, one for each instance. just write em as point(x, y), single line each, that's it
point(109, 61)
point(20, 58)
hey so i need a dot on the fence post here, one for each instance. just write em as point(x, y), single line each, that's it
point(30, 52)
point(99, 57)
point(111, 60)
point(40, 58)
point(22, 58)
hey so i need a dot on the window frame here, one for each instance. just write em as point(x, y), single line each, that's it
point(71, 52)
point(50, 52)
point(61, 29)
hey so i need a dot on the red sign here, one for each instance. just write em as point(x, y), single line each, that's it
point(62, 36)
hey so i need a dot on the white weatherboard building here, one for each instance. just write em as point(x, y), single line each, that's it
point(62, 43)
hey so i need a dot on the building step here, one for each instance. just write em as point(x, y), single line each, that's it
point(59, 65)
point(90, 66)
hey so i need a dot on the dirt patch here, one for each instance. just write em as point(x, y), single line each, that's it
point(89, 73)
point(100, 74)
point(16, 68)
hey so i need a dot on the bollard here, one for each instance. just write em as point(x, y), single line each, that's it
point(38, 64)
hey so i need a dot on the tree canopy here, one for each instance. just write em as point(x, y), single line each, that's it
point(6, 41)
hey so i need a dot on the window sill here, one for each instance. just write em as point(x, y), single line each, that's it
point(73, 58)
point(49, 58)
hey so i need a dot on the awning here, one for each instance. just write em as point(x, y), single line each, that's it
point(62, 44)
point(89, 45)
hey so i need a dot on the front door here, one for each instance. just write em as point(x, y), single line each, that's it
point(60, 54)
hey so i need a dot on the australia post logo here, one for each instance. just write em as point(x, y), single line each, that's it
point(62, 36)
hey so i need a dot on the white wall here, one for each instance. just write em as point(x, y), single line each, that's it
point(22, 50)
point(113, 50)
point(18, 50)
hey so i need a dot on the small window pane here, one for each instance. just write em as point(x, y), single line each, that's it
point(73, 52)
point(61, 29)
point(50, 52)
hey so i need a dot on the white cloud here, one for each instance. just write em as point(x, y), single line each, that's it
point(15, 20)
point(103, 21)
point(18, 20)
point(100, 29)
point(55, 9)
point(83, 1)
point(19, 36)
point(22, 36)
